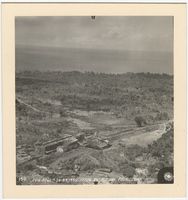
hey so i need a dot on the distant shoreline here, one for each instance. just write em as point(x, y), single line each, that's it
point(92, 72)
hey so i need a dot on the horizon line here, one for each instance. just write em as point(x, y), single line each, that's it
point(84, 72)
point(89, 48)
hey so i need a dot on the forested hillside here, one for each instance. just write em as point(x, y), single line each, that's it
point(129, 95)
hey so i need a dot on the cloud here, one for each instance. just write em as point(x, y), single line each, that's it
point(127, 33)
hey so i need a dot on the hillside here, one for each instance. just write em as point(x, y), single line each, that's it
point(127, 95)
point(98, 111)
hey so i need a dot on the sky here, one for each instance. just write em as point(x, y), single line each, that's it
point(109, 44)
point(134, 33)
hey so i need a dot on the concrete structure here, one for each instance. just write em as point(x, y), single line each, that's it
point(97, 143)
point(68, 144)
point(65, 143)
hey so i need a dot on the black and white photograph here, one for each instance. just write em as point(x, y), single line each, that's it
point(94, 100)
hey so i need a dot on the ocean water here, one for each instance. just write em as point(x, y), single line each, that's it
point(97, 60)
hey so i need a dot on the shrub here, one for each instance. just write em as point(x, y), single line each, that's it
point(134, 151)
point(128, 171)
point(29, 167)
point(162, 116)
point(140, 121)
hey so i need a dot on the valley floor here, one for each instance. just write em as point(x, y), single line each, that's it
point(88, 164)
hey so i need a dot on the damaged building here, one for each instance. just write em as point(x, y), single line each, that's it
point(65, 143)
point(97, 143)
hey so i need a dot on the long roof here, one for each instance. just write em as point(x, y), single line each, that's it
point(58, 139)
